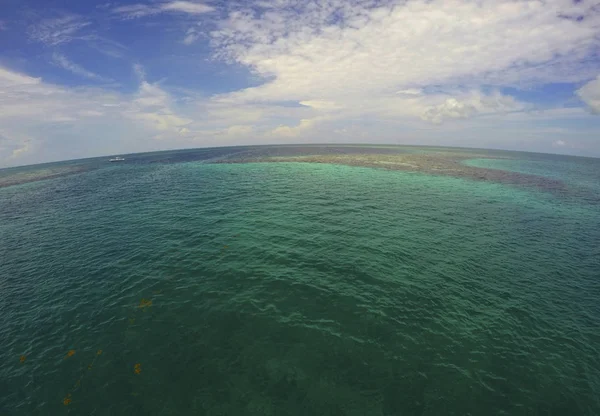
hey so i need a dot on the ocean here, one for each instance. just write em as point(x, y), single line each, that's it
point(302, 280)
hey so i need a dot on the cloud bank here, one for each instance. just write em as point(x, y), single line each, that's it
point(339, 50)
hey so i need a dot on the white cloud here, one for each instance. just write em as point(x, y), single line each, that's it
point(305, 125)
point(192, 35)
point(25, 99)
point(321, 104)
point(153, 106)
point(451, 108)
point(151, 96)
point(90, 113)
point(544, 115)
point(164, 122)
point(139, 71)
point(190, 38)
point(10, 78)
point(560, 143)
point(187, 7)
point(590, 94)
point(58, 30)
point(13, 147)
point(106, 46)
point(62, 61)
point(476, 103)
point(71, 27)
point(134, 11)
point(410, 91)
point(344, 51)
point(25, 147)
point(238, 130)
point(49, 116)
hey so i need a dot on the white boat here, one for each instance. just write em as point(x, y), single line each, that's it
point(116, 159)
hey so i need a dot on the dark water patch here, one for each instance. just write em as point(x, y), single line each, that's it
point(440, 163)
point(18, 176)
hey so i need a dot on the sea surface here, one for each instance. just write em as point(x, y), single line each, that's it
point(174, 284)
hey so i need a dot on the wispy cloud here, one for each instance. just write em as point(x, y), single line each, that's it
point(191, 36)
point(61, 61)
point(134, 11)
point(139, 72)
point(71, 27)
point(106, 46)
point(186, 7)
point(59, 30)
point(25, 146)
point(14, 147)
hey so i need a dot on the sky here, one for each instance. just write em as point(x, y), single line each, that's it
point(83, 79)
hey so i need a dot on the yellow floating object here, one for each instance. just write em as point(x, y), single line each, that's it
point(137, 368)
point(99, 352)
point(145, 303)
point(67, 400)
point(70, 353)
point(22, 358)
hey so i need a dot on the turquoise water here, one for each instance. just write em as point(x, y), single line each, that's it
point(582, 174)
point(295, 289)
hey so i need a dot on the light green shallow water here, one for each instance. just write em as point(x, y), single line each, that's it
point(295, 289)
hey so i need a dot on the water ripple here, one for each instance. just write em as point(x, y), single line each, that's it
point(295, 289)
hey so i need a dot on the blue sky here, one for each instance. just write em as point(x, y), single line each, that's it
point(80, 79)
